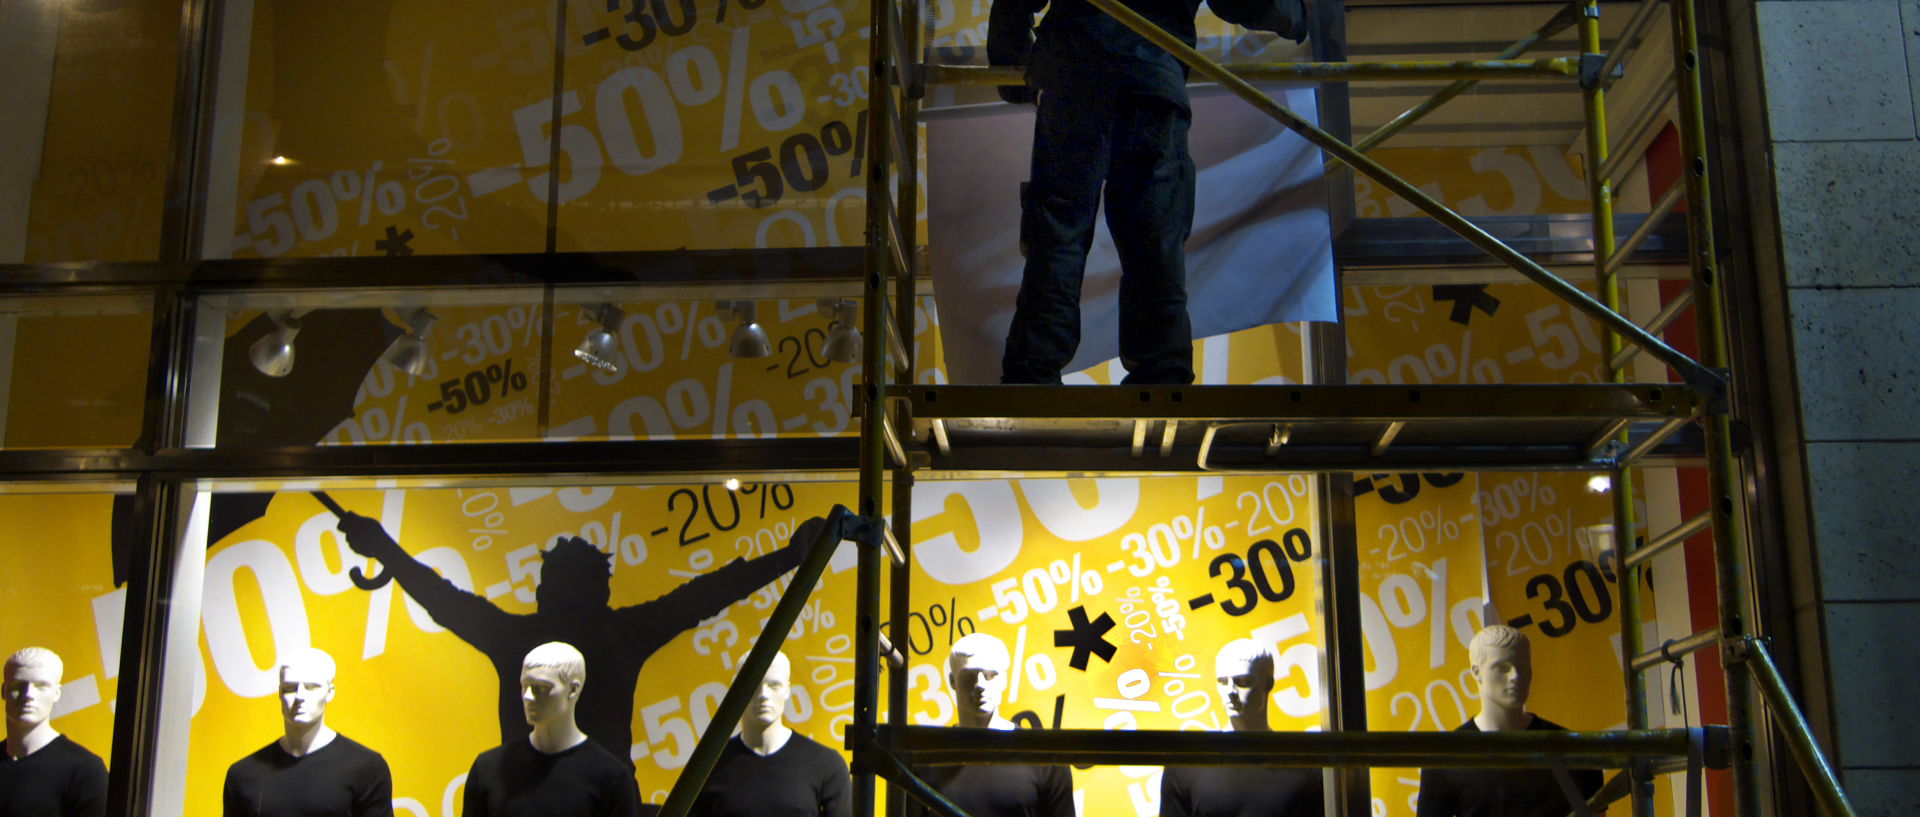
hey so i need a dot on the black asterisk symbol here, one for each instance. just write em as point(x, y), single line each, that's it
point(395, 244)
point(1086, 638)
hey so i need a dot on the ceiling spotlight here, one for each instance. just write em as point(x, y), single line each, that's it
point(409, 351)
point(273, 353)
point(281, 161)
point(843, 337)
point(600, 350)
point(733, 483)
point(749, 338)
point(1599, 483)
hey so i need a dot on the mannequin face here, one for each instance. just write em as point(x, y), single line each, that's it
point(31, 693)
point(545, 696)
point(1244, 685)
point(769, 702)
point(979, 682)
point(1505, 676)
point(305, 691)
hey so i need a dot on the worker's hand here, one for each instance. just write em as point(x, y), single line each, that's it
point(1010, 43)
point(367, 538)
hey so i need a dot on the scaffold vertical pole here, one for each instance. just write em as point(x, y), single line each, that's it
point(1625, 526)
point(901, 501)
point(1722, 484)
point(872, 403)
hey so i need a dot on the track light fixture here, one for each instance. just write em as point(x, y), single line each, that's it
point(749, 338)
point(409, 351)
point(843, 336)
point(273, 353)
point(600, 350)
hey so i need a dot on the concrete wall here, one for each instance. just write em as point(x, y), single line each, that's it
point(1842, 82)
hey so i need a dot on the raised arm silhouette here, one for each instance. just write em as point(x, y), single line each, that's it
point(572, 605)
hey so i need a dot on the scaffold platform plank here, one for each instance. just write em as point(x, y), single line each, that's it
point(1292, 428)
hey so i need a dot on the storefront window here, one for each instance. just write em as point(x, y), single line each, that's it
point(88, 101)
point(64, 592)
point(75, 371)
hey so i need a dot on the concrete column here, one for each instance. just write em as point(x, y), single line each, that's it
point(1842, 91)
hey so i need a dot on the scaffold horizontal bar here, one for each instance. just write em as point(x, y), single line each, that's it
point(1622, 253)
point(931, 745)
point(1565, 18)
point(1675, 649)
point(1543, 68)
point(1659, 324)
point(1384, 403)
point(1663, 542)
point(1652, 441)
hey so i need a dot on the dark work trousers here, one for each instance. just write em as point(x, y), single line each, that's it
point(1088, 135)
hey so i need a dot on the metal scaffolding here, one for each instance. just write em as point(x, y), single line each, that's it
point(1329, 428)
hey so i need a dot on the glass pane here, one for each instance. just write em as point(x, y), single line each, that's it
point(1177, 567)
point(428, 666)
point(75, 371)
point(88, 102)
point(63, 588)
point(714, 125)
point(380, 128)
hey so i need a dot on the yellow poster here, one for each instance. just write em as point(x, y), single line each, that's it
point(59, 592)
point(1444, 554)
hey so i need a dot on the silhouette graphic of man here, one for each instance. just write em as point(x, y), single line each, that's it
point(572, 606)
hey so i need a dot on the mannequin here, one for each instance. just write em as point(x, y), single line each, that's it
point(1503, 669)
point(977, 674)
point(555, 771)
point(1243, 671)
point(768, 769)
point(311, 769)
point(44, 772)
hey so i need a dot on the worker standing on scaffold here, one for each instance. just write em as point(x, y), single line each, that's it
point(1113, 112)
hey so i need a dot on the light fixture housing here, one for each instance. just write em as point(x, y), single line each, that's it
point(272, 354)
point(843, 336)
point(600, 350)
point(749, 339)
point(409, 352)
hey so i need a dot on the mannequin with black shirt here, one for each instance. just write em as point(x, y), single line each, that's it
point(1503, 668)
point(768, 770)
point(1243, 671)
point(44, 773)
point(977, 675)
point(312, 770)
point(555, 771)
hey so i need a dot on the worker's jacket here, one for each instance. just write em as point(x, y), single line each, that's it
point(1080, 45)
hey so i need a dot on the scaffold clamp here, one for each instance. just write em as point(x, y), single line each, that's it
point(1590, 67)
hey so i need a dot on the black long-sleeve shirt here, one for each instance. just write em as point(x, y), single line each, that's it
point(62, 779)
point(1240, 791)
point(340, 779)
point(517, 780)
point(1501, 792)
point(1000, 790)
point(802, 779)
